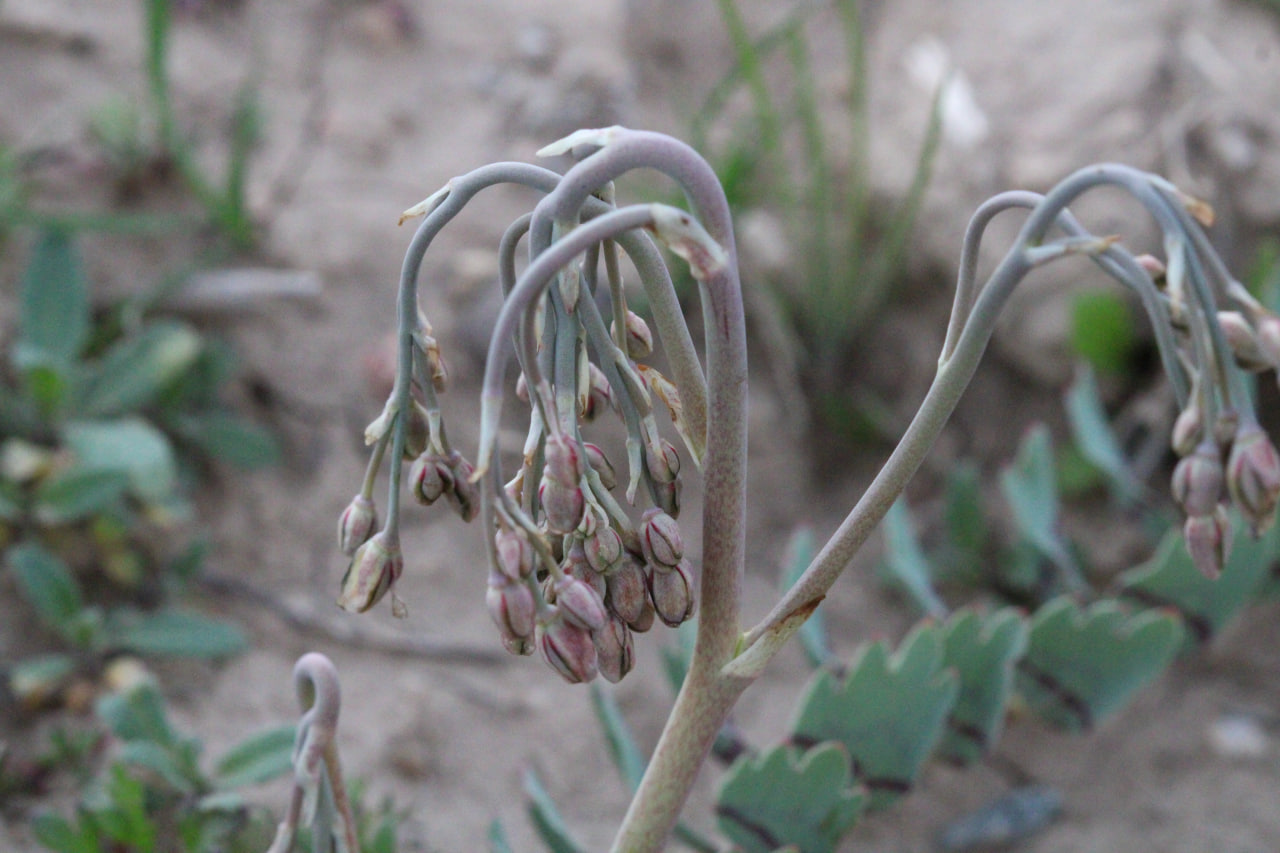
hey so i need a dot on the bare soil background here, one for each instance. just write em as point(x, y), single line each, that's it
point(368, 107)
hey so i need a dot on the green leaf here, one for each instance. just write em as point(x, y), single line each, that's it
point(797, 556)
point(1170, 579)
point(60, 835)
point(1031, 490)
point(983, 653)
point(1094, 438)
point(905, 561)
point(175, 633)
point(258, 758)
point(622, 745)
point(128, 446)
point(77, 493)
point(498, 842)
point(136, 369)
point(1102, 330)
point(786, 799)
point(1083, 665)
point(49, 389)
point(887, 712)
point(47, 584)
point(546, 817)
point(54, 312)
point(966, 522)
point(159, 760)
point(137, 713)
point(230, 440)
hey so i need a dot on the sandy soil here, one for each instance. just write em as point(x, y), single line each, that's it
point(366, 113)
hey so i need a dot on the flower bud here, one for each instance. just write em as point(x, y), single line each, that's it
point(567, 649)
point(1253, 477)
point(1197, 480)
point(639, 339)
point(1208, 539)
point(615, 650)
point(1153, 266)
point(563, 505)
point(673, 595)
point(517, 645)
point(579, 604)
point(464, 497)
point(667, 497)
point(1242, 339)
point(511, 606)
point(627, 592)
point(660, 540)
point(1268, 337)
point(662, 461)
point(374, 569)
point(514, 553)
point(522, 389)
point(356, 524)
point(1187, 430)
point(600, 464)
point(435, 362)
point(599, 395)
point(644, 621)
point(430, 478)
point(416, 431)
point(563, 465)
point(603, 549)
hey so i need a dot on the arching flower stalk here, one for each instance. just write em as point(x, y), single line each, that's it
point(579, 562)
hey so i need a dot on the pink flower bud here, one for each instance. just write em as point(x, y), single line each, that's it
point(627, 593)
point(563, 465)
point(416, 431)
point(1242, 339)
point(1187, 430)
point(603, 549)
point(430, 478)
point(673, 595)
point(567, 649)
point(639, 339)
point(599, 395)
point(464, 496)
point(1153, 265)
point(1197, 480)
point(1268, 337)
point(615, 650)
point(660, 540)
point(662, 461)
point(511, 607)
point(356, 524)
point(667, 497)
point(563, 505)
point(645, 620)
point(579, 604)
point(600, 464)
point(1208, 539)
point(1253, 477)
point(514, 553)
point(522, 389)
point(374, 569)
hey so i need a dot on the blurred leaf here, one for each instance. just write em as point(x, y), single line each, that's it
point(35, 680)
point(786, 799)
point(128, 446)
point(49, 389)
point(1082, 665)
point(1030, 488)
point(175, 633)
point(47, 584)
point(76, 493)
point(1102, 330)
point(159, 760)
point(137, 713)
point(982, 652)
point(230, 440)
point(546, 817)
point(887, 712)
point(905, 562)
point(1094, 438)
point(498, 842)
point(136, 369)
point(797, 556)
point(258, 758)
point(10, 501)
point(967, 531)
point(54, 311)
point(622, 746)
point(60, 835)
point(1170, 579)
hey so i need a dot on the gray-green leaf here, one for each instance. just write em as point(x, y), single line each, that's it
point(129, 446)
point(136, 369)
point(176, 633)
point(54, 313)
point(982, 651)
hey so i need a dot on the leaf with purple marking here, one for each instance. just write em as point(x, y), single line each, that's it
point(983, 652)
point(888, 712)
point(786, 799)
point(1082, 665)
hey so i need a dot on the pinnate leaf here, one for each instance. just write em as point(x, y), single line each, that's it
point(1082, 665)
point(983, 652)
point(888, 712)
point(788, 799)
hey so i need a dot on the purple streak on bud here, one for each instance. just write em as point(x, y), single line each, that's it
point(464, 497)
point(1253, 477)
point(579, 604)
point(673, 594)
point(1197, 480)
point(662, 461)
point(627, 592)
point(563, 464)
point(638, 338)
point(1208, 539)
point(667, 497)
point(600, 464)
point(599, 395)
point(514, 553)
point(374, 569)
point(660, 540)
point(615, 650)
point(567, 649)
point(511, 607)
point(563, 505)
point(356, 524)
point(603, 549)
point(430, 478)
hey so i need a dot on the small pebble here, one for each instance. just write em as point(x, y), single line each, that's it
point(1238, 736)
